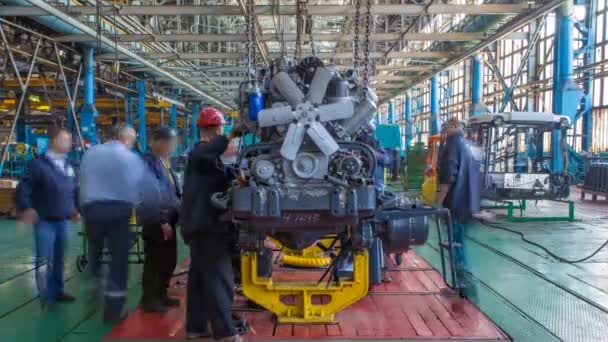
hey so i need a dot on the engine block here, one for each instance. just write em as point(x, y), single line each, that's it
point(309, 175)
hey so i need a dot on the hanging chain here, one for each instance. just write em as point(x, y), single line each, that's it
point(98, 19)
point(309, 28)
point(249, 44)
point(356, 45)
point(254, 48)
point(366, 61)
point(299, 26)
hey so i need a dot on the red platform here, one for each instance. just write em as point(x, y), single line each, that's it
point(408, 308)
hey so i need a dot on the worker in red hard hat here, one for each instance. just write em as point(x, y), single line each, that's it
point(211, 277)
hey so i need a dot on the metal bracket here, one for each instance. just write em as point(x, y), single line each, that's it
point(308, 303)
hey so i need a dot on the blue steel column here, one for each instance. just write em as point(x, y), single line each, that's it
point(391, 112)
point(141, 114)
point(434, 119)
point(88, 112)
point(589, 58)
point(409, 124)
point(173, 118)
point(194, 128)
point(565, 101)
point(477, 106)
point(128, 117)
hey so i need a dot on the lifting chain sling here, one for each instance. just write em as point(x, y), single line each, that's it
point(366, 57)
point(309, 28)
point(356, 44)
point(299, 26)
point(250, 48)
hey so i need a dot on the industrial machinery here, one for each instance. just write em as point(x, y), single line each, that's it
point(516, 155)
point(308, 178)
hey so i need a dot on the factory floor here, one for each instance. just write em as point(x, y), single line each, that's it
point(530, 296)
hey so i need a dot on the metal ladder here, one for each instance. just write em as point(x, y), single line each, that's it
point(447, 245)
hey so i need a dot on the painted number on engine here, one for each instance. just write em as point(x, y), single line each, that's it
point(302, 218)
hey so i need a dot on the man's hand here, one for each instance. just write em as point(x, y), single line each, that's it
point(167, 231)
point(75, 217)
point(237, 130)
point(28, 216)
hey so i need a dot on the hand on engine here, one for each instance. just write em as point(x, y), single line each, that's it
point(167, 231)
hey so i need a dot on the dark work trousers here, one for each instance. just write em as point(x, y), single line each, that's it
point(160, 259)
point(210, 285)
point(107, 223)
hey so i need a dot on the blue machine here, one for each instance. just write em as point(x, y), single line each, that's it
point(255, 102)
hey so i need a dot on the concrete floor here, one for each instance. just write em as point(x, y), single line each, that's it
point(529, 295)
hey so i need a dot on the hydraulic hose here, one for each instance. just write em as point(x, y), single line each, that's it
point(553, 255)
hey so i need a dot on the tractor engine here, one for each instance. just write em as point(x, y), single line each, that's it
point(308, 175)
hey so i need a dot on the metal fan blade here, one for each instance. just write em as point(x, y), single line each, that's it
point(288, 88)
point(318, 85)
point(293, 140)
point(336, 111)
point(275, 116)
point(324, 141)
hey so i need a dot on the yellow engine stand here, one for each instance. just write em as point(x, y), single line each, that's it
point(268, 294)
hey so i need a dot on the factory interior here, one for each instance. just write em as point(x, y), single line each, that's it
point(325, 248)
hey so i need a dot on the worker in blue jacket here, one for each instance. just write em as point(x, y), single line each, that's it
point(460, 189)
point(46, 198)
point(160, 244)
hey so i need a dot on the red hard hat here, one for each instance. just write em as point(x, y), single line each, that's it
point(210, 116)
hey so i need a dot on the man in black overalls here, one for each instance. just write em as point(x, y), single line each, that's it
point(211, 277)
point(160, 244)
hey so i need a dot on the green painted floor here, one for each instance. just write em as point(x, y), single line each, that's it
point(21, 316)
point(532, 297)
point(527, 293)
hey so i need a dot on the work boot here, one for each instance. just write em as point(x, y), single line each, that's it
point(153, 306)
point(65, 298)
point(235, 338)
point(191, 335)
point(171, 302)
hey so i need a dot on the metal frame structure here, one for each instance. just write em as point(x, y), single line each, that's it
point(198, 47)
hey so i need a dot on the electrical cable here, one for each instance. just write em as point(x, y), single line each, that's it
point(553, 255)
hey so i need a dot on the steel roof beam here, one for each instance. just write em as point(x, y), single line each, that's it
point(267, 10)
point(512, 25)
point(319, 37)
point(49, 9)
point(239, 56)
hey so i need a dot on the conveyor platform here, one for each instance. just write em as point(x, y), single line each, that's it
point(408, 308)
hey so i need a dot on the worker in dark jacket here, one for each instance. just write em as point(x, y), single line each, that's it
point(210, 279)
point(160, 246)
point(46, 198)
point(460, 188)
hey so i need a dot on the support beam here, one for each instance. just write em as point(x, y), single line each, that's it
point(194, 127)
point(128, 114)
point(290, 37)
point(141, 114)
point(511, 26)
point(477, 107)
point(434, 118)
point(173, 117)
point(566, 93)
point(391, 113)
point(88, 112)
point(268, 10)
point(589, 32)
point(76, 24)
point(241, 56)
point(409, 124)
